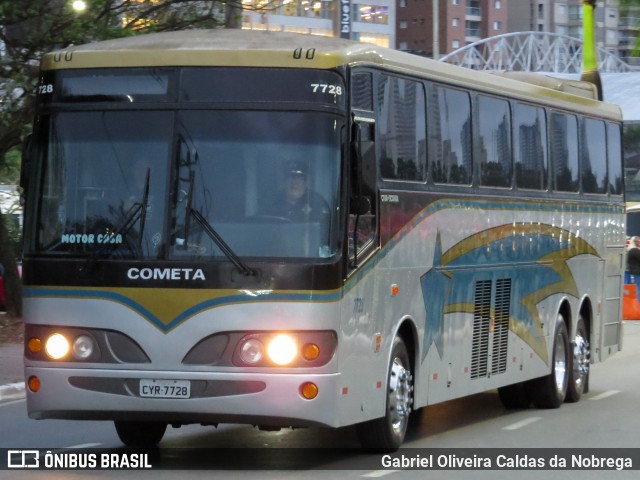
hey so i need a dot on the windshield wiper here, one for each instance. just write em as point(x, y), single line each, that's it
point(137, 212)
point(211, 232)
point(224, 246)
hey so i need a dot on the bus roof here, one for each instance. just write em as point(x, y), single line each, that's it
point(242, 48)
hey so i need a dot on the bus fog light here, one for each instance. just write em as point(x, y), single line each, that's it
point(34, 345)
point(252, 351)
point(33, 383)
point(57, 346)
point(309, 390)
point(83, 347)
point(310, 351)
point(282, 350)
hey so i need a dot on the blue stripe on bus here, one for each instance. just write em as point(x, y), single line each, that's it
point(195, 309)
point(331, 296)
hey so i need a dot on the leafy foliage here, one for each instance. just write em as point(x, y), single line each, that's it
point(30, 28)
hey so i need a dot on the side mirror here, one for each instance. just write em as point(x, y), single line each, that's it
point(360, 205)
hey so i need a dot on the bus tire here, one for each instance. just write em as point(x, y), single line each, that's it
point(516, 396)
point(580, 360)
point(387, 433)
point(140, 434)
point(550, 391)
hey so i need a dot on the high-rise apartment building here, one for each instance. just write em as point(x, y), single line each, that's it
point(628, 33)
point(564, 17)
point(459, 22)
point(369, 21)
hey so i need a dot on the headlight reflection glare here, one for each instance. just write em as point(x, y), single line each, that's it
point(57, 346)
point(282, 349)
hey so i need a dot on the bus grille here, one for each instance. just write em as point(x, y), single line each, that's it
point(492, 308)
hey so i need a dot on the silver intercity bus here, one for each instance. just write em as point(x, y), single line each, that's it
point(281, 230)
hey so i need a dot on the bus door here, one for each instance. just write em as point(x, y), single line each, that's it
point(360, 327)
point(611, 325)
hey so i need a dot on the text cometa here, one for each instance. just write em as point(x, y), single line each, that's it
point(165, 274)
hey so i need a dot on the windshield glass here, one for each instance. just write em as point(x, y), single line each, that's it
point(94, 183)
point(266, 182)
point(154, 184)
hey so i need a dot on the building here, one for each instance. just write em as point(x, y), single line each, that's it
point(616, 26)
point(565, 18)
point(628, 31)
point(459, 22)
point(369, 21)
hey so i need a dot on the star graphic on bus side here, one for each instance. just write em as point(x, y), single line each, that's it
point(547, 273)
point(436, 284)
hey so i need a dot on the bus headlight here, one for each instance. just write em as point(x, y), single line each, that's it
point(290, 349)
point(83, 347)
point(87, 345)
point(282, 350)
point(57, 346)
point(252, 351)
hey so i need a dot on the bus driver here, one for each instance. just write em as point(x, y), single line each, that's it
point(296, 201)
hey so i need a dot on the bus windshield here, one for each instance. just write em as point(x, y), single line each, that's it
point(156, 184)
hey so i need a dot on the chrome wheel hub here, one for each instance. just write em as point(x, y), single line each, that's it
point(560, 365)
point(581, 359)
point(400, 396)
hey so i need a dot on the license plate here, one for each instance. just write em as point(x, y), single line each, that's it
point(165, 388)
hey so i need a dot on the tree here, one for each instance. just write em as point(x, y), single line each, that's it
point(30, 28)
point(33, 27)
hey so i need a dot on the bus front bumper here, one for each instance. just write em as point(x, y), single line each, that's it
point(274, 400)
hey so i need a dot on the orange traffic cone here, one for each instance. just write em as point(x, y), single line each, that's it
point(630, 304)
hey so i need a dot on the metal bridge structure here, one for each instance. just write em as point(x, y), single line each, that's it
point(532, 52)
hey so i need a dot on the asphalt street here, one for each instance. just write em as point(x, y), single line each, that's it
point(12, 385)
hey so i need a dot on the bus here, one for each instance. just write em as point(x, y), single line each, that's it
point(294, 231)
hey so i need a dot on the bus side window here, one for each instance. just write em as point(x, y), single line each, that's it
point(530, 147)
point(564, 152)
point(494, 135)
point(362, 234)
point(593, 158)
point(401, 136)
point(362, 91)
point(450, 120)
point(362, 216)
point(614, 159)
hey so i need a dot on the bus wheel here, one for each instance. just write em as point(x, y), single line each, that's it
point(551, 390)
point(579, 373)
point(387, 433)
point(515, 396)
point(140, 434)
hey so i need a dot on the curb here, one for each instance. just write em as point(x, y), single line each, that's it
point(12, 391)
